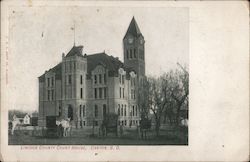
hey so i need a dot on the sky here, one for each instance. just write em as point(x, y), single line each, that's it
point(39, 35)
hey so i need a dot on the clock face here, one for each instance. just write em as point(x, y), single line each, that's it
point(130, 40)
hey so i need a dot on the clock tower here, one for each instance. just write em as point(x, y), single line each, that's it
point(133, 49)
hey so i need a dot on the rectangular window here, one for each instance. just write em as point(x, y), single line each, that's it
point(122, 79)
point(125, 122)
point(131, 53)
point(125, 111)
point(104, 110)
point(52, 82)
point(52, 95)
point(136, 111)
point(84, 123)
point(100, 92)
point(83, 111)
point(105, 92)
point(100, 78)
point(134, 53)
point(118, 109)
point(133, 114)
point(105, 79)
point(123, 92)
point(96, 111)
point(95, 93)
point(95, 78)
point(134, 94)
point(127, 54)
point(122, 111)
point(80, 111)
point(120, 92)
point(81, 93)
point(70, 79)
point(48, 81)
point(48, 95)
point(81, 80)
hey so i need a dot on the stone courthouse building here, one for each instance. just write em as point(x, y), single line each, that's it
point(85, 87)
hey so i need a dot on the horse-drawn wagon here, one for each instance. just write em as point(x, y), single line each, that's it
point(52, 129)
point(109, 125)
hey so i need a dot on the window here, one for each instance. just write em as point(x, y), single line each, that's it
point(95, 93)
point(52, 95)
point(133, 114)
point(122, 79)
point(131, 53)
point(134, 94)
point(125, 122)
point(135, 53)
point(70, 66)
point(83, 111)
point(136, 111)
point(48, 95)
point(81, 80)
point(119, 109)
point(81, 93)
point(104, 110)
point(120, 92)
point(100, 92)
point(80, 113)
point(96, 123)
point(105, 92)
point(123, 92)
point(96, 111)
point(69, 79)
point(52, 82)
point(127, 54)
point(95, 77)
point(100, 78)
point(125, 111)
point(105, 79)
point(48, 81)
point(84, 123)
point(122, 111)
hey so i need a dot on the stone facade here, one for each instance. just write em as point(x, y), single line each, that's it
point(86, 87)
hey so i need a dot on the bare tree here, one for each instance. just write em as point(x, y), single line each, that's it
point(159, 98)
point(143, 92)
point(179, 87)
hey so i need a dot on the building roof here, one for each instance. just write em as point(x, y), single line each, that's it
point(109, 62)
point(56, 69)
point(75, 50)
point(133, 29)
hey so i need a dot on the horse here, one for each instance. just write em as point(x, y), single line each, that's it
point(14, 123)
point(65, 124)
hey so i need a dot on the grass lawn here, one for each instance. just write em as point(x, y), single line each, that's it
point(84, 137)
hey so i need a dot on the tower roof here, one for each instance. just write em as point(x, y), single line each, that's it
point(75, 50)
point(133, 29)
